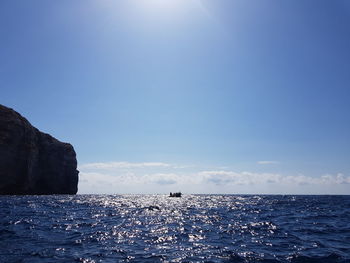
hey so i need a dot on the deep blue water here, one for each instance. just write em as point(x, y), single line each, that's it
point(156, 228)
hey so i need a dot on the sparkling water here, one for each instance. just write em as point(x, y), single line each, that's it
point(157, 228)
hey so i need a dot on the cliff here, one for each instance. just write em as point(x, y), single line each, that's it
point(32, 162)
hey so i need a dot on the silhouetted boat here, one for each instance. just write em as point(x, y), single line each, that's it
point(178, 194)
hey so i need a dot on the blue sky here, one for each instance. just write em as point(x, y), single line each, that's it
point(224, 96)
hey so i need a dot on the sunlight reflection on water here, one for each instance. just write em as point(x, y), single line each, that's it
point(156, 228)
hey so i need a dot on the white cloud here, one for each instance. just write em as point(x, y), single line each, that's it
point(337, 179)
point(158, 177)
point(122, 165)
point(267, 162)
point(248, 178)
point(243, 178)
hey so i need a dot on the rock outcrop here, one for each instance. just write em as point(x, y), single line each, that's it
point(32, 162)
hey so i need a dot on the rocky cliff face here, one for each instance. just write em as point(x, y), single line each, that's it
point(32, 162)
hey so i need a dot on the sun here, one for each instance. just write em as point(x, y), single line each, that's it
point(169, 8)
point(157, 14)
point(166, 4)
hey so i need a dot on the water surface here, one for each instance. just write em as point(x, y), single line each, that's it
point(156, 228)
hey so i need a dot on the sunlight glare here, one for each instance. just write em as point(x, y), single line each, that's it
point(163, 5)
point(166, 8)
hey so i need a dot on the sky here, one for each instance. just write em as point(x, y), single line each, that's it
point(198, 96)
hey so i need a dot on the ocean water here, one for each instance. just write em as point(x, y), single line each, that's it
point(156, 228)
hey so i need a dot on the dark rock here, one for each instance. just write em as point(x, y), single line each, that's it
point(153, 207)
point(32, 162)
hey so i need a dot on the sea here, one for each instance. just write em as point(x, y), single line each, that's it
point(158, 228)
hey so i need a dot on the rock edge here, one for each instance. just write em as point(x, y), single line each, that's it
point(33, 162)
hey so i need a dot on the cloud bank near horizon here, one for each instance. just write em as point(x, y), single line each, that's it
point(161, 178)
point(268, 162)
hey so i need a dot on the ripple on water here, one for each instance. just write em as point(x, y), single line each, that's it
point(155, 228)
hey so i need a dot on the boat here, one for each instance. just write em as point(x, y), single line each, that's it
point(178, 194)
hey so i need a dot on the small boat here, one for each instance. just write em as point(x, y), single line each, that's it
point(178, 194)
